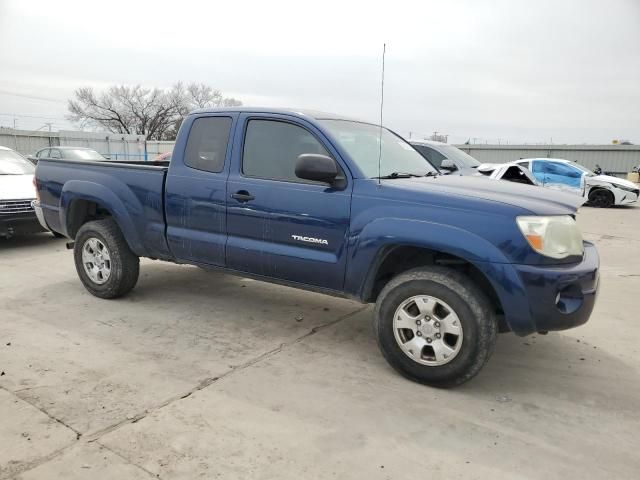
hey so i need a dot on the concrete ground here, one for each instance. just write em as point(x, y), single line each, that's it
point(201, 375)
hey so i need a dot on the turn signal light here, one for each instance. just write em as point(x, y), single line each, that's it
point(35, 187)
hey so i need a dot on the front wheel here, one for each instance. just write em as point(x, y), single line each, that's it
point(435, 326)
point(105, 264)
point(601, 198)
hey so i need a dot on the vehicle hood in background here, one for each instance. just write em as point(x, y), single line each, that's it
point(600, 179)
point(461, 171)
point(529, 197)
point(17, 187)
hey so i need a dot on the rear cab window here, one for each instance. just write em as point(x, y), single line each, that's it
point(207, 143)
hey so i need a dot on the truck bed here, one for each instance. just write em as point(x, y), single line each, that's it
point(133, 192)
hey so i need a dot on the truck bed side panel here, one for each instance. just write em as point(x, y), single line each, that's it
point(132, 194)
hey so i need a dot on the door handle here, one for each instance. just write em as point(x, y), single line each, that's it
point(242, 196)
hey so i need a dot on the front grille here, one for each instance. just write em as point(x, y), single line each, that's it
point(8, 207)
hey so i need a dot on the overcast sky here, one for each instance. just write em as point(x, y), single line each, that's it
point(512, 70)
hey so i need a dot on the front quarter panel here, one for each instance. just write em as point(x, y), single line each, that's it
point(482, 233)
point(379, 222)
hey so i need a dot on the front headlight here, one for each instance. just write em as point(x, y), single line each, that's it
point(626, 189)
point(555, 237)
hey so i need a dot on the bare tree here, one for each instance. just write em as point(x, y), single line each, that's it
point(155, 113)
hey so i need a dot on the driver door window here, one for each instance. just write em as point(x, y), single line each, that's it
point(271, 149)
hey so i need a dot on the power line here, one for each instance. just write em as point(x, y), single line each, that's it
point(32, 97)
point(19, 115)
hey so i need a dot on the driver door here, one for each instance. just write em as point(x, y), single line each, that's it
point(279, 225)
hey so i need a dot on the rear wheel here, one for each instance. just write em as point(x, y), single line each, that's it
point(435, 326)
point(601, 198)
point(105, 264)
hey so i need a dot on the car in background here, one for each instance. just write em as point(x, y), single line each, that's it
point(163, 157)
point(17, 192)
point(599, 190)
point(453, 161)
point(67, 153)
point(446, 157)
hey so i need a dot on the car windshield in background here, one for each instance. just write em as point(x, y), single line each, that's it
point(362, 143)
point(83, 155)
point(584, 169)
point(458, 156)
point(12, 163)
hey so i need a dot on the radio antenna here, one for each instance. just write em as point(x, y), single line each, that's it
point(384, 49)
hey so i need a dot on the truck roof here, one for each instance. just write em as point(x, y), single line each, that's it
point(296, 112)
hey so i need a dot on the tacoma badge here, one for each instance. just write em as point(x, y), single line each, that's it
point(310, 239)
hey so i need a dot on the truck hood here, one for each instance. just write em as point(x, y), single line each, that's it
point(17, 187)
point(535, 199)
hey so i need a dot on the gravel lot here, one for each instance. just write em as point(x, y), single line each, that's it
point(201, 375)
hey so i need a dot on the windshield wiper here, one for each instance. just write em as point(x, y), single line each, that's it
point(399, 175)
point(431, 174)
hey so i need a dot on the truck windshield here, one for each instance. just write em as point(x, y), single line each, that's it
point(458, 156)
point(362, 143)
point(12, 163)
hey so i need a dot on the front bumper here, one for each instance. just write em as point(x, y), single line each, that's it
point(19, 224)
point(39, 214)
point(561, 297)
point(627, 198)
point(542, 298)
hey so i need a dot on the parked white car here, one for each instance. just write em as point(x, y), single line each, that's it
point(599, 190)
point(17, 192)
point(452, 161)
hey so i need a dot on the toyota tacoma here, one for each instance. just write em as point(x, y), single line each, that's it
point(342, 207)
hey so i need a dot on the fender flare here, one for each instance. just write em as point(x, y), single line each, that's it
point(107, 199)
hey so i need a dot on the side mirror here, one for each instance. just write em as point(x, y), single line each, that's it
point(315, 167)
point(447, 164)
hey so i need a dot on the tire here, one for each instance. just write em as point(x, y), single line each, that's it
point(452, 292)
point(119, 273)
point(601, 198)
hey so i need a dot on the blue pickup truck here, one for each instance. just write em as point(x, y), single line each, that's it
point(338, 206)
